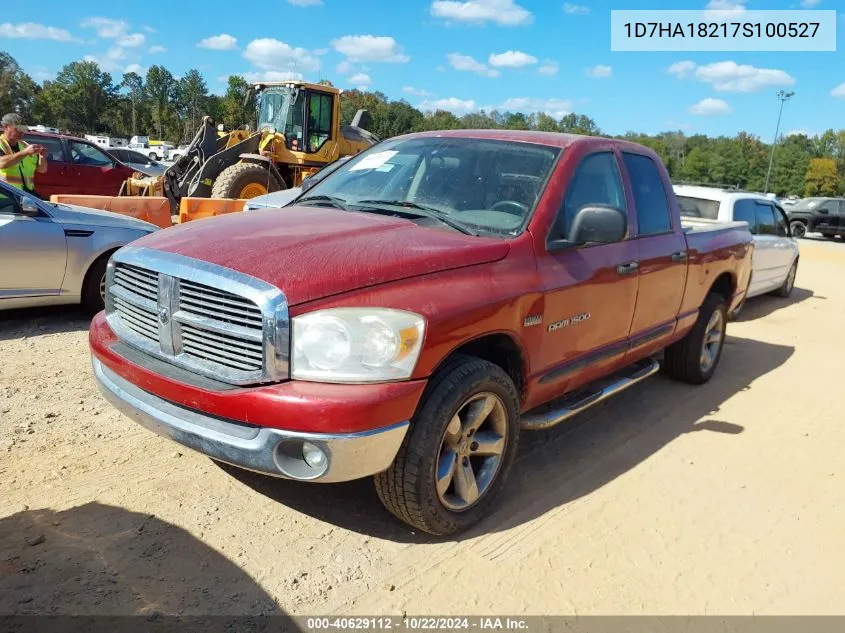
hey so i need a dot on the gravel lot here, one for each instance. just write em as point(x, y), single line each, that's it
point(723, 499)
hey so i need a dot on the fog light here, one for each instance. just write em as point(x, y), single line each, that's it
point(313, 455)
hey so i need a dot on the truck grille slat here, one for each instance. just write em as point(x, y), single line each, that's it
point(198, 326)
point(213, 340)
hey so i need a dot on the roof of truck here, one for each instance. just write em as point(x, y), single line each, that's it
point(716, 194)
point(552, 139)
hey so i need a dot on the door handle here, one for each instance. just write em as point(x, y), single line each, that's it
point(627, 268)
point(680, 256)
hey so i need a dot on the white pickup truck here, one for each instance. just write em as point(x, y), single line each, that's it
point(775, 258)
point(142, 145)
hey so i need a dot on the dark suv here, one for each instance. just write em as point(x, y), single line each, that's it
point(817, 215)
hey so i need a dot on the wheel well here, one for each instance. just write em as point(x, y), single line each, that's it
point(724, 286)
point(499, 349)
point(801, 220)
point(99, 257)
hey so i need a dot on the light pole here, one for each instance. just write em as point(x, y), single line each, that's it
point(783, 97)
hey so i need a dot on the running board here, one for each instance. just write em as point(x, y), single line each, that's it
point(587, 397)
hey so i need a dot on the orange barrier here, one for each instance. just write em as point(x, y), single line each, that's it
point(199, 208)
point(153, 210)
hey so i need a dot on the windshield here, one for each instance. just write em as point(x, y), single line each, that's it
point(281, 107)
point(488, 185)
point(808, 203)
point(698, 207)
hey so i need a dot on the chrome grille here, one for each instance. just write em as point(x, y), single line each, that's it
point(227, 326)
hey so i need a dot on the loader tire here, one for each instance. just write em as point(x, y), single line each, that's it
point(244, 181)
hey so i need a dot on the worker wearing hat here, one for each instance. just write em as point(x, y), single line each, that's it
point(19, 161)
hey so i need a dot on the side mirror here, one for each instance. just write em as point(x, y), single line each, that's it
point(823, 211)
point(29, 208)
point(594, 224)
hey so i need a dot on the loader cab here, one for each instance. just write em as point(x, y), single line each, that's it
point(301, 113)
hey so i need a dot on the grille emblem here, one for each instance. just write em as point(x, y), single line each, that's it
point(163, 316)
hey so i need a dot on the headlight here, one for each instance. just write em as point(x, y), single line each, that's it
point(356, 345)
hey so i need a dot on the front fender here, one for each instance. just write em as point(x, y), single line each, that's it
point(82, 252)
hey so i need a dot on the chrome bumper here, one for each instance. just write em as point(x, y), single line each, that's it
point(261, 449)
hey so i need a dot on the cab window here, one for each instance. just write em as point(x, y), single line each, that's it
point(84, 154)
point(783, 222)
point(319, 120)
point(766, 219)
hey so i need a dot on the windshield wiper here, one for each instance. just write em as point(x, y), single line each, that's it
point(334, 201)
point(425, 211)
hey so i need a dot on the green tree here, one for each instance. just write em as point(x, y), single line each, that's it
point(544, 123)
point(822, 178)
point(134, 85)
point(579, 124)
point(79, 97)
point(161, 90)
point(235, 112)
point(18, 92)
point(192, 97)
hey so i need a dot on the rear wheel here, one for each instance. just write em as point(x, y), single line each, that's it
point(244, 181)
point(458, 451)
point(798, 229)
point(695, 357)
point(789, 283)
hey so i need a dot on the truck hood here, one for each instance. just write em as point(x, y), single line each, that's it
point(312, 252)
point(83, 216)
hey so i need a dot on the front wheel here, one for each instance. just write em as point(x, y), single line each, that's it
point(244, 181)
point(798, 229)
point(457, 453)
point(94, 287)
point(153, 156)
point(694, 358)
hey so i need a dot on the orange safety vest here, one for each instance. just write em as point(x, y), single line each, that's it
point(21, 175)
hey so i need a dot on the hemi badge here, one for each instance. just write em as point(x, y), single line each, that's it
point(535, 319)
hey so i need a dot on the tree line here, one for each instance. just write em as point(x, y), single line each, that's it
point(85, 99)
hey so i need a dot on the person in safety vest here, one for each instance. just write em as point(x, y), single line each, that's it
point(19, 161)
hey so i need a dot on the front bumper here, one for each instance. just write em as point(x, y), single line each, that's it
point(262, 449)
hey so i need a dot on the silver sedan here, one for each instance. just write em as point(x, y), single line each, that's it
point(54, 254)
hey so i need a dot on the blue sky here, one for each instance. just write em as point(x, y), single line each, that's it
point(523, 55)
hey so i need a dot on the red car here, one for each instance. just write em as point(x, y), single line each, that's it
point(77, 166)
point(416, 309)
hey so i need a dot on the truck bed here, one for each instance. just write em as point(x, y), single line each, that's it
point(705, 225)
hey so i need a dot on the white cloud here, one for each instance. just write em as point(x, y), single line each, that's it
point(554, 107)
point(268, 75)
point(501, 12)
point(345, 67)
point(600, 71)
point(135, 68)
point(549, 67)
point(157, 49)
point(512, 59)
point(732, 77)
point(839, 91)
point(33, 31)
point(370, 48)
point(320, 51)
point(724, 9)
point(131, 41)
point(809, 4)
point(222, 42)
point(801, 132)
point(467, 63)
point(710, 107)
point(360, 79)
point(417, 91)
point(305, 3)
point(271, 54)
point(575, 9)
point(106, 27)
point(452, 104)
point(149, 29)
point(111, 61)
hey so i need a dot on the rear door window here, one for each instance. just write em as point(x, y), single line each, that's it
point(766, 224)
point(783, 222)
point(54, 146)
point(653, 215)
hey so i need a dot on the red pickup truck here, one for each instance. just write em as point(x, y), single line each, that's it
point(410, 314)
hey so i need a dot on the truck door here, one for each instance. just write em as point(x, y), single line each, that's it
point(661, 254)
point(591, 290)
point(57, 179)
point(96, 172)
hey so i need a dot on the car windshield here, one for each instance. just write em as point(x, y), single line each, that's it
point(281, 107)
point(808, 203)
point(486, 185)
point(698, 207)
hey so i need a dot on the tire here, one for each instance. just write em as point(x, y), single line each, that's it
point(245, 180)
point(798, 229)
point(153, 156)
point(408, 489)
point(684, 361)
point(789, 283)
point(94, 286)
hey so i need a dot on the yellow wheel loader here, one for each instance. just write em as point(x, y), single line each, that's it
point(298, 133)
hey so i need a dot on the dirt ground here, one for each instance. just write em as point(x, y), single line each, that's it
point(722, 499)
